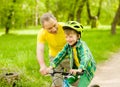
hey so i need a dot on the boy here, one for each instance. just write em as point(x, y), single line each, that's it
point(79, 54)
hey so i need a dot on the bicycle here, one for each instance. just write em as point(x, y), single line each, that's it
point(65, 75)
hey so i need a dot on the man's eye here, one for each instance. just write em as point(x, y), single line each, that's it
point(55, 25)
point(49, 29)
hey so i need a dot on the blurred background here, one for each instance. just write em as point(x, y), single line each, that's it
point(26, 13)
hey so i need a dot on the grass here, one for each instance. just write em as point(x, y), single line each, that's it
point(18, 54)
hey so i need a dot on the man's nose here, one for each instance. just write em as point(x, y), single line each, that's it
point(54, 29)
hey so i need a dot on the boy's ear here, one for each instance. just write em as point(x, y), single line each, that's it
point(78, 35)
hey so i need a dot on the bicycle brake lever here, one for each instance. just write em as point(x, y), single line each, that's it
point(79, 73)
point(51, 72)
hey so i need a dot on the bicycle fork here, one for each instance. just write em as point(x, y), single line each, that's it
point(66, 83)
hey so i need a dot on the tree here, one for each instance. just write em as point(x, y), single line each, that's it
point(79, 10)
point(92, 18)
point(71, 13)
point(6, 14)
point(115, 20)
point(36, 12)
point(9, 14)
point(19, 13)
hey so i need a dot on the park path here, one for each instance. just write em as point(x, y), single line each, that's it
point(108, 73)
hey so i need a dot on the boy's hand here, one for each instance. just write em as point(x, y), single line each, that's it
point(74, 71)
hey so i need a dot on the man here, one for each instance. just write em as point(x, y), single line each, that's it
point(52, 33)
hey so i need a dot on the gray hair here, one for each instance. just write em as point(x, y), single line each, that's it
point(46, 17)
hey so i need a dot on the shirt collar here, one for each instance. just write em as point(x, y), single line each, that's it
point(78, 43)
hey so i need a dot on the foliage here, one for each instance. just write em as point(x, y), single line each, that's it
point(109, 8)
point(4, 11)
point(24, 10)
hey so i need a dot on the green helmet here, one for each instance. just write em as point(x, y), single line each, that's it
point(73, 25)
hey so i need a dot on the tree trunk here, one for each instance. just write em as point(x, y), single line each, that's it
point(79, 11)
point(36, 13)
point(93, 19)
point(8, 24)
point(7, 30)
point(71, 14)
point(99, 8)
point(115, 21)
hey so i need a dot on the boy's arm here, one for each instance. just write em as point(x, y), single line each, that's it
point(60, 56)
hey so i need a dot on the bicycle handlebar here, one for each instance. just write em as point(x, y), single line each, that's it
point(64, 73)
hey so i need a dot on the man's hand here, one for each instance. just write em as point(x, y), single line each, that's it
point(43, 70)
point(49, 69)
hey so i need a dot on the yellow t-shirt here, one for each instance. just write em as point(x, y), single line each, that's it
point(55, 41)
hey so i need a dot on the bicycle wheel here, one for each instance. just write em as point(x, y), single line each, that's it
point(54, 83)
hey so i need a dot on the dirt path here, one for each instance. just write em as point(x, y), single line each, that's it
point(108, 74)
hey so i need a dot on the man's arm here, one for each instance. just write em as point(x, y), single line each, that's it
point(40, 57)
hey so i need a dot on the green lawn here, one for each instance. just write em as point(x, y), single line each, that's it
point(18, 54)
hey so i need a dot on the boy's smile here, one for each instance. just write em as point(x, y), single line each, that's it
point(71, 38)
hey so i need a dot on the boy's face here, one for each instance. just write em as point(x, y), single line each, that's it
point(71, 38)
point(51, 26)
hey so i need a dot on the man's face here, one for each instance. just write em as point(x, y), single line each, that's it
point(51, 26)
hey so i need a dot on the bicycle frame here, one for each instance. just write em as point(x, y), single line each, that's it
point(66, 83)
point(65, 77)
